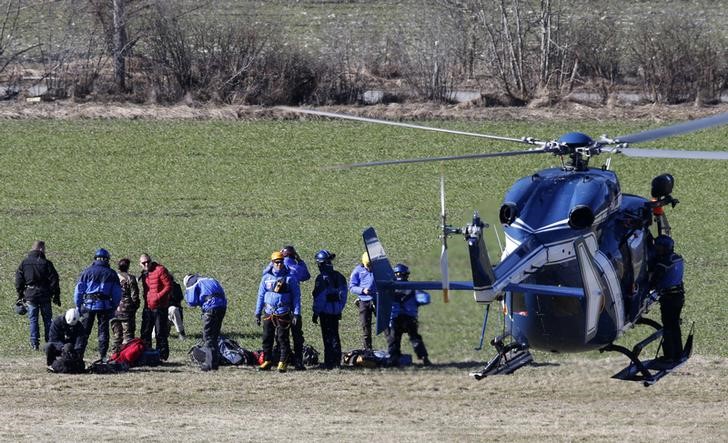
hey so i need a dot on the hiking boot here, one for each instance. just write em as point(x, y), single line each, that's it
point(282, 367)
point(35, 346)
point(265, 366)
point(426, 362)
point(50, 368)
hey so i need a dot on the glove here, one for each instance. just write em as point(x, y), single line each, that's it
point(257, 319)
point(57, 300)
point(294, 320)
point(314, 318)
point(356, 303)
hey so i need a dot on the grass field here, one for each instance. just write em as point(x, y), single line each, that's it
point(217, 197)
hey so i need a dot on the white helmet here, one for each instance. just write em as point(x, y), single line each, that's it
point(189, 280)
point(72, 316)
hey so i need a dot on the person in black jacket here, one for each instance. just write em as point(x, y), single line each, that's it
point(65, 329)
point(36, 282)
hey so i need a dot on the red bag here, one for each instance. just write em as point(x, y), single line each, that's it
point(130, 352)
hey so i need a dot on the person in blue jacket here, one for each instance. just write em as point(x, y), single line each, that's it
point(329, 299)
point(207, 293)
point(279, 302)
point(667, 279)
point(97, 294)
point(404, 320)
point(362, 284)
point(298, 268)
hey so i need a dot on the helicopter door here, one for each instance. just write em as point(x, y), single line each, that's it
point(592, 287)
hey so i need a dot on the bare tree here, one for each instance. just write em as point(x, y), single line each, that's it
point(10, 47)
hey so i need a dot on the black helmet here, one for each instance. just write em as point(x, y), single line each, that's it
point(401, 271)
point(324, 256)
point(21, 308)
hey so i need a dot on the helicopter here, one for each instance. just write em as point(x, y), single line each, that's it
point(573, 276)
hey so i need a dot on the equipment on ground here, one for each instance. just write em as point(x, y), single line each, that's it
point(573, 275)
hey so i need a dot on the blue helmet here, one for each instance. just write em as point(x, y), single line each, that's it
point(665, 242)
point(102, 253)
point(324, 256)
point(401, 271)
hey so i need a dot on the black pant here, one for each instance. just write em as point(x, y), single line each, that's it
point(156, 319)
point(332, 342)
point(103, 329)
point(365, 318)
point(297, 335)
point(277, 326)
point(401, 325)
point(211, 325)
point(53, 349)
point(671, 305)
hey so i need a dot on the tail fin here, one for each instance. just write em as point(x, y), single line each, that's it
point(383, 275)
point(483, 276)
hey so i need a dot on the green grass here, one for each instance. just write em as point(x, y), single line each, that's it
point(217, 197)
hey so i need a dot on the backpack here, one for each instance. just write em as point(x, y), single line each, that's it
point(197, 353)
point(68, 363)
point(130, 352)
point(310, 356)
point(110, 367)
point(365, 358)
point(149, 357)
point(234, 354)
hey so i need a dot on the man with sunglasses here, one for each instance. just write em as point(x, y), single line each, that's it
point(156, 290)
point(279, 302)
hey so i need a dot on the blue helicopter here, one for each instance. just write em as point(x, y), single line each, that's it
point(574, 274)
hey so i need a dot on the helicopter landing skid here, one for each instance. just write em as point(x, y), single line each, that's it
point(509, 358)
point(649, 372)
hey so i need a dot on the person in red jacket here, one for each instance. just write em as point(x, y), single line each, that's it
point(156, 290)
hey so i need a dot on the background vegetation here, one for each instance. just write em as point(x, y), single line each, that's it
point(217, 197)
point(510, 52)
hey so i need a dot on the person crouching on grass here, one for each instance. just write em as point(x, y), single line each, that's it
point(279, 302)
point(207, 293)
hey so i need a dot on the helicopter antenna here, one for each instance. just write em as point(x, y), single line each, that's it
point(500, 245)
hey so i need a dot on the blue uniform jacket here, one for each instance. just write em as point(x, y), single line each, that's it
point(298, 269)
point(329, 293)
point(271, 302)
point(98, 288)
point(206, 292)
point(361, 278)
point(668, 272)
point(404, 303)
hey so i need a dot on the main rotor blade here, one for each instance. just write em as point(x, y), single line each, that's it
point(447, 158)
point(527, 141)
point(673, 153)
point(680, 128)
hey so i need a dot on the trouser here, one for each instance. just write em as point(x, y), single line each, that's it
point(122, 331)
point(332, 342)
point(399, 326)
point(365, 319)
point(277, 326)
point(670, 307)
point(156, 319)
point(175, 315)
point(297, 335)
point(53, 349)
point(211, 325)
point(88, 318)
point(45, 311)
